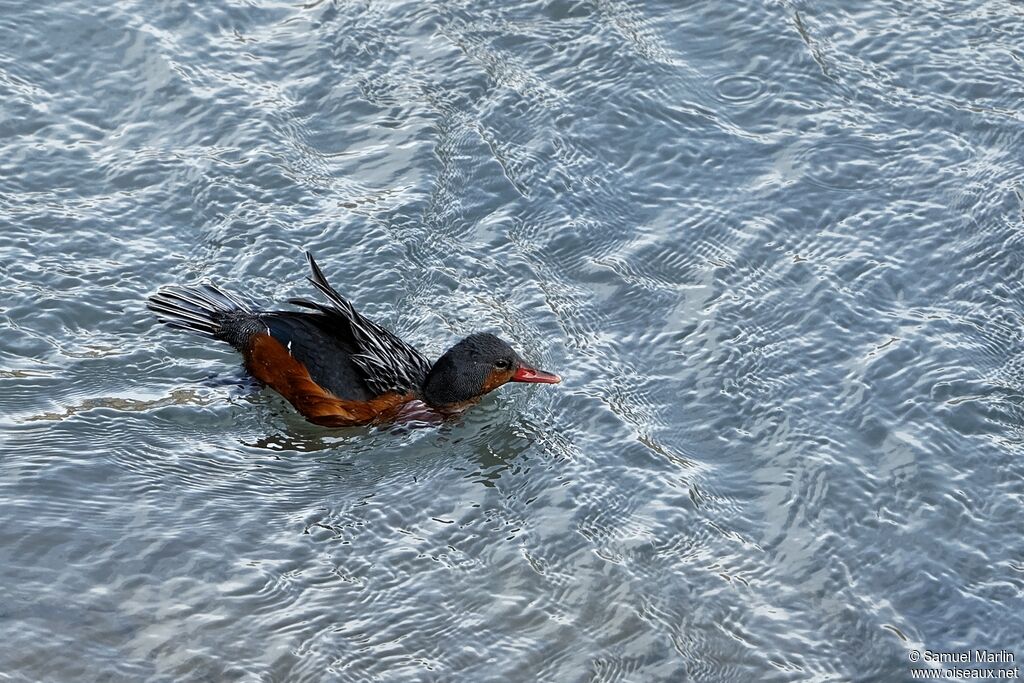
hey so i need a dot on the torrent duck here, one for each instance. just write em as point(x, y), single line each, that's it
point(338, 368)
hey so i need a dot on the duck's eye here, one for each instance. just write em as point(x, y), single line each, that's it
point(502, 364)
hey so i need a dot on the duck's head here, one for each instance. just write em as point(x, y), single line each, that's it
point(478, 364)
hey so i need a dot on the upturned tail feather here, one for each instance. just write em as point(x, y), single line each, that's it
point(203, 309)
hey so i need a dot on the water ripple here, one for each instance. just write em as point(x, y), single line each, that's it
point(771, 248)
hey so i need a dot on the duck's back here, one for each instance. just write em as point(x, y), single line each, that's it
point(326, 358)
point(335, 366)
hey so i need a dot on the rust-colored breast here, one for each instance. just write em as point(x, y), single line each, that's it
point(269, 361)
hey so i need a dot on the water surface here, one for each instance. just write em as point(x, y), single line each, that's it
point(774, 248)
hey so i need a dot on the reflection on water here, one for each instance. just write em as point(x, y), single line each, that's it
point(770, 247)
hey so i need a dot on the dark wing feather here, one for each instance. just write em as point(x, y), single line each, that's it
point(388, 363)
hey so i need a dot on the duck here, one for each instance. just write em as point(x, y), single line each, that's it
point(335, 366)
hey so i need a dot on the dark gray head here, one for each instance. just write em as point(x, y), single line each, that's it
point(476, 365)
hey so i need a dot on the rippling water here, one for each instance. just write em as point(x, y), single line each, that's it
point(773, 247)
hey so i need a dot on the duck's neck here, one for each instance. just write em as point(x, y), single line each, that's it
point(445, 389)
point(435, 391)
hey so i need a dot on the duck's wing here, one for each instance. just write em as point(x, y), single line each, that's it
point(387, 363)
